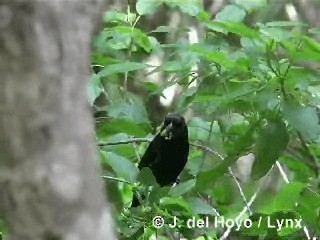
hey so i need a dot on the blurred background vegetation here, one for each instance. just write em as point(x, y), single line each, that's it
point(245, 74)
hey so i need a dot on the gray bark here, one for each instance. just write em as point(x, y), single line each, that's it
point(49, 182)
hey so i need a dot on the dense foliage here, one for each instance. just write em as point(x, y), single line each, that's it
point(246, 88)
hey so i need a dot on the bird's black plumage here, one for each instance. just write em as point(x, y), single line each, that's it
point(167, 154)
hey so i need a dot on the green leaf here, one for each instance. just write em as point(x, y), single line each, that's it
point(172, 66)
point(201, 207)
point(133, 111)
point(267, 225)
point(157, 193)
point(309, 207)
point(115, 126)
point(303, 119)
point(162, 29)
point(147, 178)
point(94, 89)
point(121, 166)
point(299, 170)
point(176, 204)
point(115, 16)
point(315, 31)
point(243, 142)
point(191, 7)
point(202, 98)
point(304, 52)
point(116, 38)
point(150, 86)
point(311, 44)
point(182, 188)
point(217, 57)
point(231, 13)
point(278, 34)
point(145, 7)
point(121, 68)
point(289, 196)
point(242, 30)
point(142, 40)
point(272, 141)
point(124, 150)
point(285, 24)
point(233, 27)
point(267, 100)
point(199, 130)
point(206, 178)
point(251, 5)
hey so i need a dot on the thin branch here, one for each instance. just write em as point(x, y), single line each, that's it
point(244, 199)
point(140, 140)
point(116, 179)
point(197, 145)
point(207, 149)
point(101, 118)
point(134, 146)
point(269, 63)
point(306, 148)
point(282, 172)
point(130, 140)
point(225, 235)
point(286, 179)
point(204, 153)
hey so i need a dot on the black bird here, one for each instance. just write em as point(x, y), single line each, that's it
point(167, 154)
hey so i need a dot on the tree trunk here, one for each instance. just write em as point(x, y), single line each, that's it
point(49, 182)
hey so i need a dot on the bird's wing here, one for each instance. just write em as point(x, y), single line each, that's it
point(150, 155)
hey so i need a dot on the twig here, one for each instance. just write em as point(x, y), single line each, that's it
point(134, 146)
point(130, 140)
point(228, 231)
point(116, 179)
point(282, 172)
point(207, 149)
point(197, 145)
point(244, 199)
point(305, 147)
point(286, 179)
point(140, 140)
point(204, 153)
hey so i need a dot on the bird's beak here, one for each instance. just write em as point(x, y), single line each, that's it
point(167, 132)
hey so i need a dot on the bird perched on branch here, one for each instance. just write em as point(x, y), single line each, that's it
point(167, 154)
